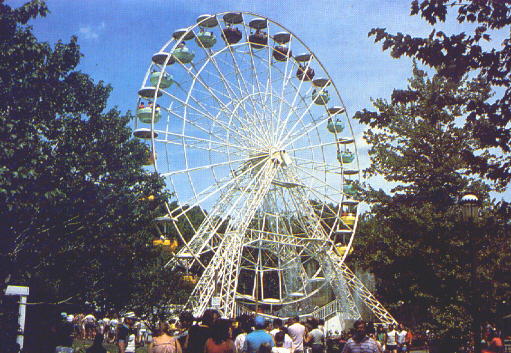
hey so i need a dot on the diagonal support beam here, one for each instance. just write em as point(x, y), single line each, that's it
point(341, 278)
point(224, 267)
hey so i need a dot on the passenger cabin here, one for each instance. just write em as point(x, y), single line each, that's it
point(166, 244)
point(166, 79)
point(149, 92)
point(281, 37)
point(335, 125)
point(205, 39)
point(348, 189)
point(320, 97)
point(183, 34)
point(145, 115)
point(348, 218)
point(281, 53)
point(183, 54)
point(258, 40)
point(162, 58)
point(207, 21)
point(190, 280)
point(335, 110)
point(345, 157)
point(144, 133)
point(233, 18)
point(305, 74)
point(342, 249)
point(231, 35)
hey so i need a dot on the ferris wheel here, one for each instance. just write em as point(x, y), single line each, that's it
point(253, 140)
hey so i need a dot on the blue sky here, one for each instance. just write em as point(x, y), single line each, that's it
point(118, 39)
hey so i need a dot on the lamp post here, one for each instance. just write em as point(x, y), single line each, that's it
point(470, 206)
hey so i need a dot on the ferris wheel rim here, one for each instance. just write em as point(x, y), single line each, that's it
point(229, 47)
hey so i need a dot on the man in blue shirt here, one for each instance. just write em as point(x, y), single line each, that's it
point(257, 338)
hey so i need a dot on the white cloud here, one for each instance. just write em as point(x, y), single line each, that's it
point(92, 31)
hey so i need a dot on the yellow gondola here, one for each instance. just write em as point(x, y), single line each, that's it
point(166, 244)
point(341, 249)
point(348, 218)
point(190, 280)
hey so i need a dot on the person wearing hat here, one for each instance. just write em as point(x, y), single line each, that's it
point(257, 338)
point(127, 334)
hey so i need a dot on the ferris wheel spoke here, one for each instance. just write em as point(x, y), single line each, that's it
point(186, 120)
point(242, 123)
point(285, 82)
point(293, 128)
point(197, 78)
point(230, 182)
point(217, 94)
point(241, 79)
point(294, 107)
point(311, 147)
point(255, 78)
point(224, 107)
point(250, 135)
point(192, 146)
point(205, 114)
point(293, 103)
point(224, 80)
point(269, 89)
point(208, 142)
point(290, 139)
point(208, 166)
point(318, 166)
point(237, 73)
point(212, 59)
point(298, 121)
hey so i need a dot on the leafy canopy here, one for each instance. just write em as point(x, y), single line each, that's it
point(413, 239)
point(74, 218)
point(463, 54)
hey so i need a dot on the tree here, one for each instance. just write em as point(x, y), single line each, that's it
point(459, 55)
point(413, 239)
point(75, 222)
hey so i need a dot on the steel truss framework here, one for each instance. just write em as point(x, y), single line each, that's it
point(251, 138)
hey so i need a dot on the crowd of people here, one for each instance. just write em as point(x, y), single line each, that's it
point(246, 334)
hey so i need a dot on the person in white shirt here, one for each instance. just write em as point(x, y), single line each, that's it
point(315, 337)
point(321, 326)
point(297, 332)
point(89, 324)
point(112, 334)
point(279, 343)
point(278, 327)
point(391, 340)
point(401, 338)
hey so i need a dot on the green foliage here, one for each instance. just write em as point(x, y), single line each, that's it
point(459, 55)
point(414, 240)
point(74, 222)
